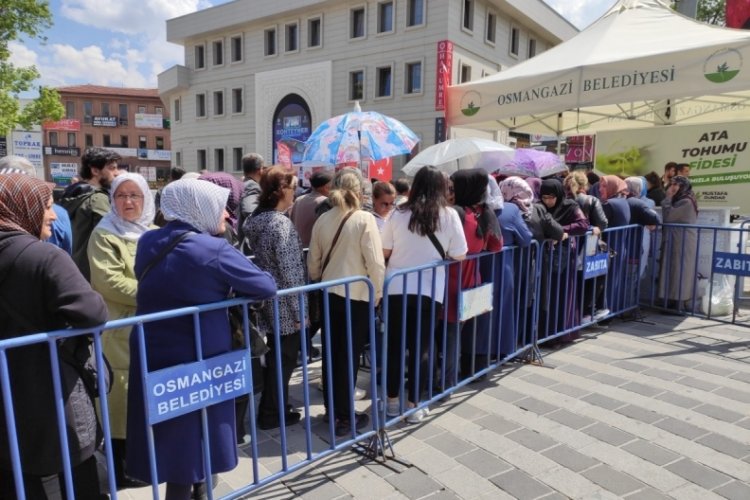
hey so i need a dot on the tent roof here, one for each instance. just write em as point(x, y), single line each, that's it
point(639, 52)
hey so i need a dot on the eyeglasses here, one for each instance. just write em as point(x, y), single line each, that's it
point(131, 197)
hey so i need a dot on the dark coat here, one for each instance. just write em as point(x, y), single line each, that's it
point(46, 292)
point(199, 270)
point(542, 225)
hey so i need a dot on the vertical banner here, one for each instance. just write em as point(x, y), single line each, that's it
point(444, 72)
point(440, 130)
point(738, 14)
point(381, 170)
point(284, 154)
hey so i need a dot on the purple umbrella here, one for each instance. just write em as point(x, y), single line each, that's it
point(533, 163)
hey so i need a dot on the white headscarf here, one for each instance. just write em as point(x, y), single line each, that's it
point(113, 221)
point(198, 203)
point(494, 196)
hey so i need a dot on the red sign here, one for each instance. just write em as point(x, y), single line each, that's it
point(738, 14)
point(68, 124)
point(444, 72)
point(381, 170)
point(284, 153)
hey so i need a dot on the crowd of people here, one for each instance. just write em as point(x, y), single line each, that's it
point(115, 251)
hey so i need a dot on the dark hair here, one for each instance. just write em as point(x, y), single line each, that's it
point(682, 166)
point(251, 163)
point(176, 173)
point(653, 179)
point(379, 188)
point(402, 185)
point(96, 158)
point(272, 183)
point(670, 166)
point(592, 177)
point(426, 198)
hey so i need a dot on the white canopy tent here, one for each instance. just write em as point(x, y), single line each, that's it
point(640, 64)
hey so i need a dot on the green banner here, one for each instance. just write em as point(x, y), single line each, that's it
point(720, 179)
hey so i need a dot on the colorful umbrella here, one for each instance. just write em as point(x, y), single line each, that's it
point(359, 136)
point(462, 153)
point(533, 163)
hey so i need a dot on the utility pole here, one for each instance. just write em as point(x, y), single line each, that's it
point(687, 7)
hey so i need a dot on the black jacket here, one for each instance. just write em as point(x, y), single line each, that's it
point(41, 290)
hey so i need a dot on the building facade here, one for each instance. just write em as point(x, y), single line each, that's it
point(257, 72)
point(132, 122)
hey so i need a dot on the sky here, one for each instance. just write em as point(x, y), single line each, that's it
point(123, 43)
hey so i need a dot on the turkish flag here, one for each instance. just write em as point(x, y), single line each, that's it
point(738, 14)
point(381, 170)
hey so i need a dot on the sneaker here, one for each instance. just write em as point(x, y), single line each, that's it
point(344, 425)
point(392, 408)
point(359, 394)
point(601, 314)
point(418, 416)
point(586, 319)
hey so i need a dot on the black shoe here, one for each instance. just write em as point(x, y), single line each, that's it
point(292, 417)
point(130, 482)
point(314, 354)
point(344, 426)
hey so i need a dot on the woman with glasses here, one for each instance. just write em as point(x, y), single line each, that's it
point(111, 253)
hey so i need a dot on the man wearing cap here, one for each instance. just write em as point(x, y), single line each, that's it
point(62, 234)
point(303, 210)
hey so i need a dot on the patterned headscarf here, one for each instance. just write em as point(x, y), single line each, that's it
point(235, 187)
point(517, 191)
point(113, 221)
point(612, 185)
point(23, 201)
point(195, 202)
point(638, 188)
point(684, 191)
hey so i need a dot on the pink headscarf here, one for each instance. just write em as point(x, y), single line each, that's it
point(517, 191)
point(610, 186)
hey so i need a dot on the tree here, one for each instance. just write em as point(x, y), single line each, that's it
point(19, 18)
point(712, 11)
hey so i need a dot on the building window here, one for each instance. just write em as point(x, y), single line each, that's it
point(532, 47)
point(158, 110)
point(219, 103)
point(217, 52)
point(200, 105)
point(178, 158)
point(106, 141)
point(123, 114)
point(201, 159)
point(314, 32)
point(53, 138)
point(465, 73)
point(237, 100)
point(237, 154)
point(105, 109)
point(413, 78)
point(291, 37)
point(269, 35)
point(89, 140)
point(142, 142)
point(468, 15)
point(71, 139)
point(357, 23)
point(490, 32)
point(177, 109)
point(356, 85)
point(141, 108)
point(385, 17)
point(70, 109)
point(514, 40)
point(219, 160)
point(200, 56)
point(88, 111)
point(415, 13)
point(159, 142)
point(124, 142)
point(236, 48)
point(385, 77)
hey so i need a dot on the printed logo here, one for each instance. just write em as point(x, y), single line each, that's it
point(722, 66)
point(471, 103)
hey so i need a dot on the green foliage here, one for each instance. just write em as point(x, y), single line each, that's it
point(23, 18)
point(712, 11)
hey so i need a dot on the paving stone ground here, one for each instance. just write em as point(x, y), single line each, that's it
point(658, 408)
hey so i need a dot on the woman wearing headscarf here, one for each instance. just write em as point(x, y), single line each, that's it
point(678, 244)
point(641, 212)
point(42, 290)
point(482, 233)
point(200, 268)
point(278, 250)
point(356, 252)
point(559, 290)
point(407, 244)
point(111, 253)
point(235, 187)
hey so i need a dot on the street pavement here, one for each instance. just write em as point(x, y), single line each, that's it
point(658, 408)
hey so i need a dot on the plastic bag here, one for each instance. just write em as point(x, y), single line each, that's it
point(721, 300)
